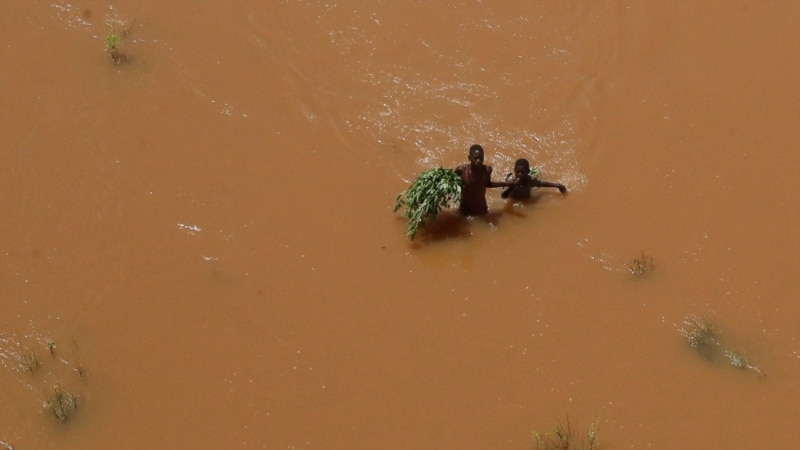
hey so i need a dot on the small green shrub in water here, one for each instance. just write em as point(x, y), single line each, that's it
point(432, 191)
point(113, 41)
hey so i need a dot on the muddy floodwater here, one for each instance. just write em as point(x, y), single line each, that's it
point(198, 248)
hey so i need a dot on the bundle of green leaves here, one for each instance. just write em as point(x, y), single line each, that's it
point(432, 191)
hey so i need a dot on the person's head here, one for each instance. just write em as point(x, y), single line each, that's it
point(476, 155)
point(522, 167)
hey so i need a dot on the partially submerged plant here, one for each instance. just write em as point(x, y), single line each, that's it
point(51, 345)
point(739, 360)
point(114, 39)
point(432, 191)
point(642, 265)
point(61, 403)
point(112, 42)
point(31, 361)
point(593, 435)
point(698, 331)
point(700, 335)
point(549, 441)
point(562, 438)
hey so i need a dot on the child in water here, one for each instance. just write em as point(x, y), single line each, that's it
point(523, 182)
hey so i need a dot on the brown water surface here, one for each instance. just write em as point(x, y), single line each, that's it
point(205, 232)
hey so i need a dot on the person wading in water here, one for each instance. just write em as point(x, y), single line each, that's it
point(524, 182)
point(475, 178)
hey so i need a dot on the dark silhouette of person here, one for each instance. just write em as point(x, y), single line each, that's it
point(523, 182)
point(475, 178)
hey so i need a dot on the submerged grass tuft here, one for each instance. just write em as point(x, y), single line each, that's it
point(428, 195)
point(641, 265)
point(739, 360)
point(699, 334)
point(562, 437)
point(56, 399)
point(702, 336)
point(26, 358)
point(30, 361)
point(113, 40)
point(61, 403)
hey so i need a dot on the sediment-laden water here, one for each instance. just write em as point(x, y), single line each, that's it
point(198, 243)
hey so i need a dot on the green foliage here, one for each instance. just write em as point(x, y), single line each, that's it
point(112, 42)
point(432, 191)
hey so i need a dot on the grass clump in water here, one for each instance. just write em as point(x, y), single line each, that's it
point(30, 361)
point(739, 360)
point(700, 335)
point(563, 438)
point(641, 265)
point(428, 195)
point(61, 403)
point(113, 41)
point(27, 359)
point(51, 345)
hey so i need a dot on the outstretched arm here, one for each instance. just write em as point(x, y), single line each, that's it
point(540, 183)
point(495, 184)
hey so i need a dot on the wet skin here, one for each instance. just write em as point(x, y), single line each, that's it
point(476, 177)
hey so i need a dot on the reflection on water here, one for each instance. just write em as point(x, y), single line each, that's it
point(200, 245)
